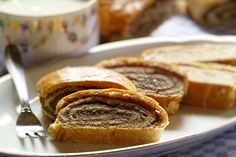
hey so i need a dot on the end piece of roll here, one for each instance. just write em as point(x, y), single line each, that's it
point(210, 85)
point(55, 85)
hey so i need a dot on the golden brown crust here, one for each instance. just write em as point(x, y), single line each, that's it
point(112, 134)
point(218, 53)
point(79, 77)
point(181, 6)
point(85, 76)
point(136, 61)
point(218, 66)
point(121, 19)
point(211, 12)
point(210, 95)
point(210, 85)
point(113, 12)
point(132, 136)
point(169, 102)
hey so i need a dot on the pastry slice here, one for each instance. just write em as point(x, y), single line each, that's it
point(54, 86)
point(122, 19)
point(218, 53)
point(108, 116)
point(213, 12)
point(222, 67)
point(210, 85)
point(163, 82)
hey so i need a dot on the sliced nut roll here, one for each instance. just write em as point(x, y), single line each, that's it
point(108, 116)
point(163, 82)
point(218, 53)
point(213, 12)
point(54, 86)
point(210, 85)
point(122, 19)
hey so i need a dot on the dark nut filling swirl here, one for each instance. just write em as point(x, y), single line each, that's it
point(152, 80)
point(161, 81)
point(103, 112)
point(213, 12)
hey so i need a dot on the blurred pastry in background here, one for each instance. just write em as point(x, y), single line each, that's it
point(122, 19)
point(181, 6)
point(213, 12)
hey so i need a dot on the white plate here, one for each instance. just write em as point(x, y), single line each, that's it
point(186, 127)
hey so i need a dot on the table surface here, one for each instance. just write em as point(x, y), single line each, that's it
point(224, 144)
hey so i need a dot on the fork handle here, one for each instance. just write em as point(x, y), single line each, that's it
point(14, 66)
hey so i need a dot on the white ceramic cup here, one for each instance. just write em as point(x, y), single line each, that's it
point(69, 29)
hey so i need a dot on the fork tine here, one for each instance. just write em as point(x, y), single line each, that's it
point(41, 134)
point(31, 134)
point(21, 134)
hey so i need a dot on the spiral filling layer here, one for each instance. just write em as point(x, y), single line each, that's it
point(54, 97)
point(221, 13)
point(105, 112)
point(152, 80)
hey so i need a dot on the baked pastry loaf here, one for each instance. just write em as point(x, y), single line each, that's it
point(163, 82)
point(108, 116)
point(122, 19)
point(54, 86)
point(219, 53)
point(181, 6)
point(222, 67)
point(210, 85)
point(213, 12)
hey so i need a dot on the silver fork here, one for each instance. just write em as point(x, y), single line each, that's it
point(27, 124)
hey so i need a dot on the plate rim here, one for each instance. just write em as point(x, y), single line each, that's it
point(133, 42)
point(167, 39)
